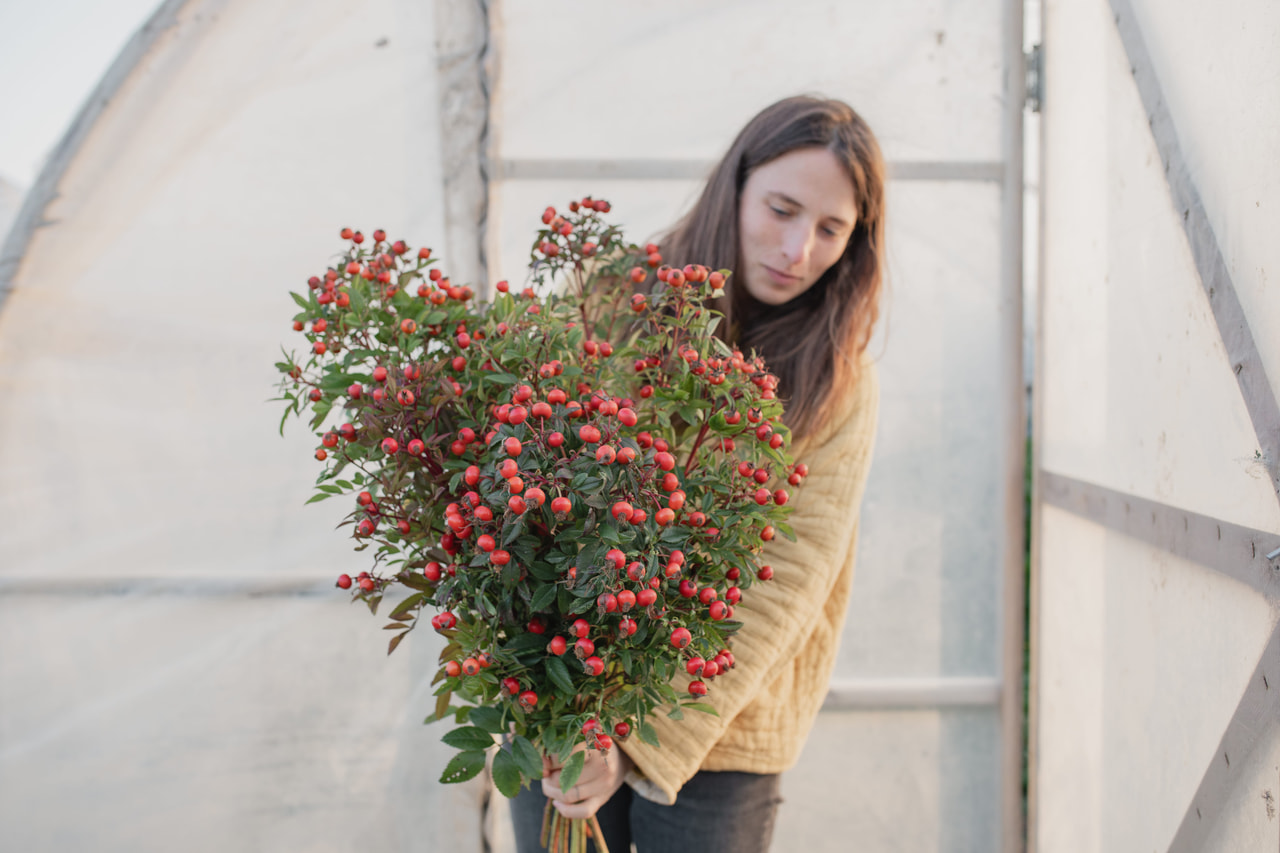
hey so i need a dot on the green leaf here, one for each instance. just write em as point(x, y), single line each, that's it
point(524, 643)
point(464, 766)
point(506, 775)
point(675, 713)
point(648, 735)
point(303, 303)
point(395, 641)
point(442, 706)
point(408, 605)
point(487, 718)
point(572, 770)
point(703, 707)
point(317, 498)
point(559, 675)
point(469, 737)
point(543, 597)
point(527, 757)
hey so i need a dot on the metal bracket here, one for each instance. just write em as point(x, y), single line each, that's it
point(1034, 65)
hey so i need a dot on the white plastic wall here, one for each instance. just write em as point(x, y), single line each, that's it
point(1146, 660)
point(628, 103)
point(176, 669)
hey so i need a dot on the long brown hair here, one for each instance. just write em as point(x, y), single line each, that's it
point(813, 343)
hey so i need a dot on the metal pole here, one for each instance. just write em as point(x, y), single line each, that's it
point(1014, 427)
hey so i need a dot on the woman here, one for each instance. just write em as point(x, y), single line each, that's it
point(796, 209)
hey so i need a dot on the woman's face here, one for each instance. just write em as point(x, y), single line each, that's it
point(795, 216)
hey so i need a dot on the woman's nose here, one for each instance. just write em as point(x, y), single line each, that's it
point(797, 243)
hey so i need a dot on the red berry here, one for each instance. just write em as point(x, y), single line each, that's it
point(471, 666)
point(688, 588)
point(486, 543)
point(558, 645)
point(589, 434)
point(697, 688)
point(622, 729)
point(581, 628)
point(607, 602)
point(512, 446)
point(593, 666)
point(664, 460)
point(344, 581)
point(718, 610)
point(529, 699)
point(681, 637)
point(561, 505)
point(584, 648)
point(646, 597)
point(390, 446)
point(500, 557)
point(765, 573)
point(453, 669)
point(767, 533)
point(626, 600)
point(537, 625)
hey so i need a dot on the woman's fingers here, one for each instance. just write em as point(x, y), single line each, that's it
point(582, 810)
point(596, 778)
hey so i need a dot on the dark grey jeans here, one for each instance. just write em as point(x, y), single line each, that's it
point(715, 813)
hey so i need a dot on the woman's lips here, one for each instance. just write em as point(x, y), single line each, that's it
point(781, 278)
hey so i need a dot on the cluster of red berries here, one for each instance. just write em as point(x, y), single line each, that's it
point(517, 461)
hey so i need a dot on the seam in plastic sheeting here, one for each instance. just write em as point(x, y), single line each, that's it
point(1237, 552)
point(1215, 278)
point(670, 169)
point(45, 190)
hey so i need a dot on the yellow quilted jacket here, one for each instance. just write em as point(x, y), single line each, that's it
point(791, 625)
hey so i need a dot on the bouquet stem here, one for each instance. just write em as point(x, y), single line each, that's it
point(569, 835)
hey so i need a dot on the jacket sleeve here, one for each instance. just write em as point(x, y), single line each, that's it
point(776, 614)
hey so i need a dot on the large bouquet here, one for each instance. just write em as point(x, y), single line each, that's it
point(579, 485)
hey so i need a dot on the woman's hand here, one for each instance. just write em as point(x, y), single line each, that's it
point(601, 777)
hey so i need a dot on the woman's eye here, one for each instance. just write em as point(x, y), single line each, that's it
point(779, 211)
point(830, 232)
